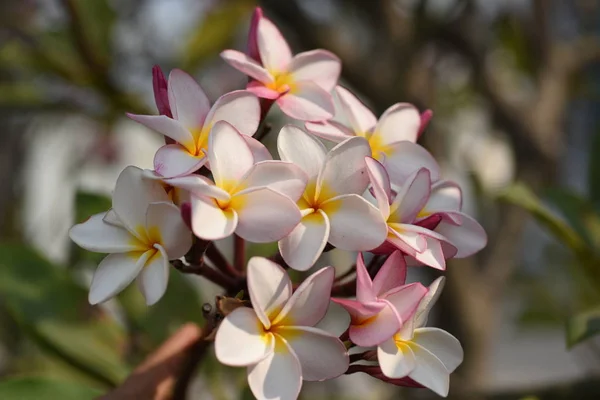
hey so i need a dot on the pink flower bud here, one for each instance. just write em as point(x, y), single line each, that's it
point(161, 96)
point(186, 213)
point(425, 118)
point(252, 47)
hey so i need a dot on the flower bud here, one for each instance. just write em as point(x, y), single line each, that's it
point(252, 47)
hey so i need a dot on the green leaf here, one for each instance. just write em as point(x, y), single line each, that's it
point(97, 18)
point(594, 171)
point(88, 204)
point(40, 388)
point(583, 326)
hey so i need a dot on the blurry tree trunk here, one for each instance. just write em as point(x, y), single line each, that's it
point(11, 160)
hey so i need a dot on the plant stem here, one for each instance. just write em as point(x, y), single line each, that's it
point(216, 277)
point(219, 260)
point(239, 254)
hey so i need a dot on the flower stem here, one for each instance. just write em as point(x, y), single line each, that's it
point(239, 254)
point(219, 261)
point(216, 277)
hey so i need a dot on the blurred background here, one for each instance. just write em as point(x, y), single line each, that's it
point(515, 90)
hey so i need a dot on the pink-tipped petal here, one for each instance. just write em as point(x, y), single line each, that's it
point(307, 102)
point(189, 104)
point(154, 277)
point(411, 198)
point(392, 274)
point(396, 359)
point(259, 89)
point(304, 245)
point(360, 312)
point(426, 244)
point(275, 54)
point(264, 215)
point(309, 303)
point(198, 185)
point(174, 160)
point(364, 284)
point(114, 273)
point(356, 225)
point(209, 221)
point(96, 235)
point(425, 118)
point(469, 237)
point(175, 237)
point(259, 151)
point(430, 371)
point(283, 177)
point(240, 339)
point(380, 182)
point(319, 66)
point(270, 288)
point(406, 299)
point(240, 108)
point(229, 155)
point(359, 116)
point(376, 329)
point(329, 130)
point(441, 344)
point(322, 356)
point(399, 122)
point(445, 196)
point(161, 95)
point(295, 145)
point(245, 64)
point(402, 159)
point(252, 45)
point(168, 127)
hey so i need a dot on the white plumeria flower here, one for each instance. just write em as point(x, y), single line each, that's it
point(426, 355)
point(331, 207)
point(276, 339)
point(142, 232)
point(193, 118)
point(392, 138)
point(254, 200)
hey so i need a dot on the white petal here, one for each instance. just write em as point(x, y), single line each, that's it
point(168, 127)
point(96, 235)
point(240, 339)
point(269, 287)
point(402, 159)
point(411, 198)
point(329, 130)
point(430, 371)
point(295, 145)
point(361, 118)
point(154, 277)
point(309, 303)
point(469, 237)
point(445, 196)
point(278, 376)
point(175, 160)
point(111, 218)
point(115, 273)
point(283, 177)
point(304, 245)
point(175, 236)
point(198, 185)
point(133, 193)
point(399, 122)
point(209, 221)
point(229, 155)
point(442, 344)
point(245, 64)
point(395, 359)
point(259, 151)
point(322, 356)
point(319, 66)
point(433, 293)
point(355, 224)
point(264, 215)
point(275, 53)
point(307, 101)
point(188, 102)
point(240, 108)
point(344, 171)
point(380, 182)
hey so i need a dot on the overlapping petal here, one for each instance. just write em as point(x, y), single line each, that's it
point(303, 246)
point(175, 237)
point(275, 53)
point(402, 159)
point(391, 275)
point(295, 145)
point(396, 359)
point(175, 160)
point(240, 108)
point(269, 287)
point(307, 102)
point(400, 122)
point(99, 236)
point(169, 127)
point(284, 177)
point(361, 119)
point(442, 344)
point(114, 273)
point(229, 155)
point(247, 65)
point(154, 277)
point(319, 66)
point(209, 221)
point(380, 183)
point(188, 102)
point(329, 130)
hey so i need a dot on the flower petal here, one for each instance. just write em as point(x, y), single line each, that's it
point(309, 303)
point(283, 177)
point(406, 299)
point(427, 302)
point(319, 66)
point(430, 371)
point(275, 53)
point(189, 104)
point(154, 277)
point(240, 339)
point(259, 151)
point(161, 96)
point(401, 121)
point(269, 287)
point(329, 130)
point(395, 359)
point(114, 273)
point(101, 237)
point(246, 65)
point(427, 245)
point(209, 221)
point(380, 182)
point(411, 198)
point(133, 193)
point(259, 89)
point(199, 186)
point(376, 329)
point(402, 159)
point(175, 237)
point(175, 160)
point(445, 196)
point(307, 102)
point(322, 356)
point(359, 116)
point(264, 215)
point(469, 237)
point(229, 155)
point(344, 171)
point(356, 225)
point(167, 126)
point(304, 245)
point(295, 145)
point(392, 274)
point(441, 344)
point(360, 312)
point(240, 108)
point(252, 43)
point(364, 284)
point(278, 376)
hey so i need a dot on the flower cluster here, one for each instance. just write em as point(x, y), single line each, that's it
point(375, 192)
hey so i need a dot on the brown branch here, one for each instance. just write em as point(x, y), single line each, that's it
point(239, 254)
point(213, 275)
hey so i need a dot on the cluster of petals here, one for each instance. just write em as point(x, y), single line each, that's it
point(142, 232)
point(276, 339)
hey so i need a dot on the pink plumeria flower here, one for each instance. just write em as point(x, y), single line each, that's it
point(193, 118)
point(254, 200)
point(392, 138)
point(300, 85)
point(142, 232)
point(331, 207)
point(382, 305)
point(276, 339)
point(425, 355)
point(401, 214)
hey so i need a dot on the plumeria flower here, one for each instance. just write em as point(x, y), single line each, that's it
point(331, 207)
point(254, 200)
point(142, 232)
point(383, 304)
point(425, 355)
point(276, 339)
point(300, 84)
point(392, 138)
point(193, 118)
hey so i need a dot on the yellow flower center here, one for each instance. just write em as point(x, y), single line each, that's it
point(283, 83)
